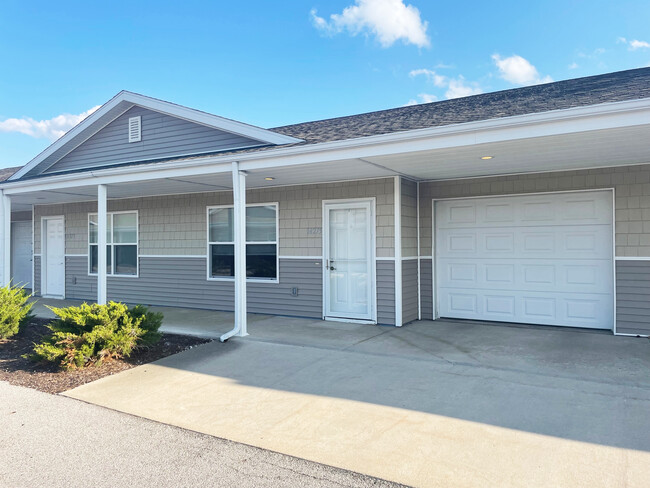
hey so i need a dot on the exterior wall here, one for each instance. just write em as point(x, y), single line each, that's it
point(409, 218)
point(162, 136)
point(386, 292)
point(409, 290)
point(173, 250)
point(177, 224)
point(633, 297)
point(632, 223)
point(426, 288)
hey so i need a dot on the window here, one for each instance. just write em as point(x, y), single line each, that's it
point(121, 243)
point(261, 242)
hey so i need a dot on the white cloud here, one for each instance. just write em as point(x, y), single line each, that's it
point(432, 76)
point(388, 20)
point(634, 45)
point(50, 129)
point(518, 70)
point(456, 87)
point(459, 88)
point(422, 98)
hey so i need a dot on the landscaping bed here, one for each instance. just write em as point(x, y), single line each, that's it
point(49, 378)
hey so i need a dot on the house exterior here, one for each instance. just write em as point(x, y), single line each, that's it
point(529, 205)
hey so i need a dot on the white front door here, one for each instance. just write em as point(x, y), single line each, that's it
point(349, 258)
point(54, 257)
point(21, 254)
point(536, 259)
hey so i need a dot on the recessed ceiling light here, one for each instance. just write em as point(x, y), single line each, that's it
point(487, 157)
point(269, 178)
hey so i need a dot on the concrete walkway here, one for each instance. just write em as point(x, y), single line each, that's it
point(52, 441)
point(431, 404)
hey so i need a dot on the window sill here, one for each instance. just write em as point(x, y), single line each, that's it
point(94, 275)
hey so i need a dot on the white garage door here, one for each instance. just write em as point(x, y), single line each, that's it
point(536, 259)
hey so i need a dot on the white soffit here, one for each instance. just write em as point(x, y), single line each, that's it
point(601, 148)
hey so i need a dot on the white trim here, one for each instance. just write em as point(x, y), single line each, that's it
point(434, 281)
point(556, 122)
point(43, 288)
point(196, 116)
point(110, 215)
point(6, 238)
point(276, 280)
point(409, 258)
point(76, 255)
point(199, 256)
point(310, 258)
point(613, 222)
point(426, 257)
point(417, 226)
point(632, 258)
point(33, 255)
point(37, 255)
point(397, 197)
point(363, 202)
point(384, 258)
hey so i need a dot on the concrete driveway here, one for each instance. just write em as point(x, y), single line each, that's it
point(440, 403)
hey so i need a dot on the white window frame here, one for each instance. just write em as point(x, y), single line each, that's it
point(276, 243)
point(109, 215)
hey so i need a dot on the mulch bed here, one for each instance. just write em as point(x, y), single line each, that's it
point(48, 378)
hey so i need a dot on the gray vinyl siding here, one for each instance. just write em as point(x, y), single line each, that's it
point(176, 224)
point(162, 136)
point(426, 289)
point(37, 275)
point(386, 292)
point(181, 282)
point(409, 218)
point(409, 290)
point(633, 297)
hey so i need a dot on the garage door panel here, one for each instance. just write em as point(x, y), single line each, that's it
point(540, 210)
point(578, 310)
point(526, 274)
point(541, 259)
point(560, 242)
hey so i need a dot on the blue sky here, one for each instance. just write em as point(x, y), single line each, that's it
point(275, 63)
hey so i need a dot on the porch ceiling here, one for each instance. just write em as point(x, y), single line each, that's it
point(580, 150)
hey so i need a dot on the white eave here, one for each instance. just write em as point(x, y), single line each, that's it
point(124, 101)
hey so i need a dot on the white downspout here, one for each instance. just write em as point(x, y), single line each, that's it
point(101, 244)
point(239, 211)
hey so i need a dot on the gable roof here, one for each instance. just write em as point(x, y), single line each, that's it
point(123, 102)
point(5, 173)
point(574, 93)
point(579, 92)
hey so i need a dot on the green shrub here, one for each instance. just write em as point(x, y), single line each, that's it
point(89, 334)
point(14, 310)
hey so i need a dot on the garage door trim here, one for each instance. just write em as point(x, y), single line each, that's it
point(434, 287)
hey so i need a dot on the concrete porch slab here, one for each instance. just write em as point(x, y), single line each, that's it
point(431, 404)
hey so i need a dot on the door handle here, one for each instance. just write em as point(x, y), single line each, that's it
point(329, 266)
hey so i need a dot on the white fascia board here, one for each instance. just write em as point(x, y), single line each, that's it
point(192, 115)
point(575, 120)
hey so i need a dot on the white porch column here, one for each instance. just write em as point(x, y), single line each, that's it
point(6, 239)
point(398, 251)
point(101, 244)
point(239, 204)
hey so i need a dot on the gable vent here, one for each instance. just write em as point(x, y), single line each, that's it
point(135, 129)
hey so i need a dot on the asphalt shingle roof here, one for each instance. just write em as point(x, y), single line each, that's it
point(5, 173)
point(592, 90)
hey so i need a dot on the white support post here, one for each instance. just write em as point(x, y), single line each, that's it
point(101, 244)
point(239, 211)
point(398, 251)
point(417, 220)
point(6, 239)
